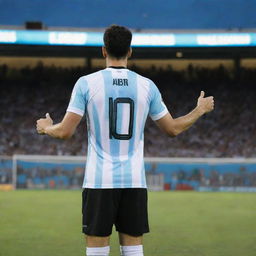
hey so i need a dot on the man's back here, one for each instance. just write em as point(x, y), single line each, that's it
point(116, 102)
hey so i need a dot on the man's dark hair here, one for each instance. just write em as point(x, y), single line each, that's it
point(117, 40)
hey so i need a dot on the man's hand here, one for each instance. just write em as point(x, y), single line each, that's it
point(43, 123)
point(175, 126)
point(205, 105)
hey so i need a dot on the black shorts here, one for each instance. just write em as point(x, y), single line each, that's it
point(125, 208)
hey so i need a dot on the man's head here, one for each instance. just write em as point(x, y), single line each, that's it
point(117, 42)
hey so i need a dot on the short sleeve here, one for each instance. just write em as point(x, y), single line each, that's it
point(78, 99)
point(157, 107)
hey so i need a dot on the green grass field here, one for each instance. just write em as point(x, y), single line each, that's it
point(48, 223)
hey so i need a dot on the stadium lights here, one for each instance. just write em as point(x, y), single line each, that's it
point(67, 38)
point(179, 54)
point(38, 37)
point(225, 39)
point(8, 37)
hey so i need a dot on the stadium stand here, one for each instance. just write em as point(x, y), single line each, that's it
point(229, 131)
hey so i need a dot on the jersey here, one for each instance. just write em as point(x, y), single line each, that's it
point(116, 103)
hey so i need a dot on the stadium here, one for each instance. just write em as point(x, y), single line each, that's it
point(201, 183)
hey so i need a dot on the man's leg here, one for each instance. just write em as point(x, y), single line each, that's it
point(126, 240)
point(98, 214)
point(130, 245)
point(97, 245)
point(132, 221)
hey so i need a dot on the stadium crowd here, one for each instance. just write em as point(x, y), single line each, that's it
point(229, 131)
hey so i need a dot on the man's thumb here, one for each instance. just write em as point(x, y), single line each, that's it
point(47, 115)
point(202, 94)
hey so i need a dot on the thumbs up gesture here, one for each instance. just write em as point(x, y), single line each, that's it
point(42, 123)
point(205, 104)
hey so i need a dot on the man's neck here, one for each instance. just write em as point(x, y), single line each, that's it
point(116, 63)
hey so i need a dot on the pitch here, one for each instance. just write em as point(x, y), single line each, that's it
point(182, 224)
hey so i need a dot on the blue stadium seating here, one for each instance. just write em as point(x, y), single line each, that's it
point(139, 14)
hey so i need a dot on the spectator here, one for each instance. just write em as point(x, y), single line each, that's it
point(229, 131)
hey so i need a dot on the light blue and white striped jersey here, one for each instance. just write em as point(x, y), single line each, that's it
point(116, 102)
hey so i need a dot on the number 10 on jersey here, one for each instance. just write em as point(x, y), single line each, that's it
point(113, 110)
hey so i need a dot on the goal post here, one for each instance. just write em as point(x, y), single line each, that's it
point(6, 174)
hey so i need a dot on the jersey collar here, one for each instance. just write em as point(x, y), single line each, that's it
point(117, 67)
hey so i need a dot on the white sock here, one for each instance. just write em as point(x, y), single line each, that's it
point(132, 250)
point(97, 251)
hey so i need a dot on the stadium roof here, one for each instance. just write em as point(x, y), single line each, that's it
point(139, 14)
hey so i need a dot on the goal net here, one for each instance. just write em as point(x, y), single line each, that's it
point(63, 172)
point(48, 172)
point(202, 174)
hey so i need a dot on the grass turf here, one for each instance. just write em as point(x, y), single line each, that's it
point(48, 223)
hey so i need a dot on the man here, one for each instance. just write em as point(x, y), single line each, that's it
point(116, 102)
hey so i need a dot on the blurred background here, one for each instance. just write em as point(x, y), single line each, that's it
point(183, 46)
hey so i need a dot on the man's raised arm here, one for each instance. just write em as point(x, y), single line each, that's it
point(63, 130)
point(175, 126)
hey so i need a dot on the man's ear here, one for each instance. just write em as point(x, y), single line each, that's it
point(104, 51)
point(129, 53)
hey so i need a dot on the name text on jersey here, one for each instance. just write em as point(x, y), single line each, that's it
point(120, 82)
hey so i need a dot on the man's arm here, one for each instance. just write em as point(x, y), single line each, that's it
point(63, 130)
point(173, 127)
